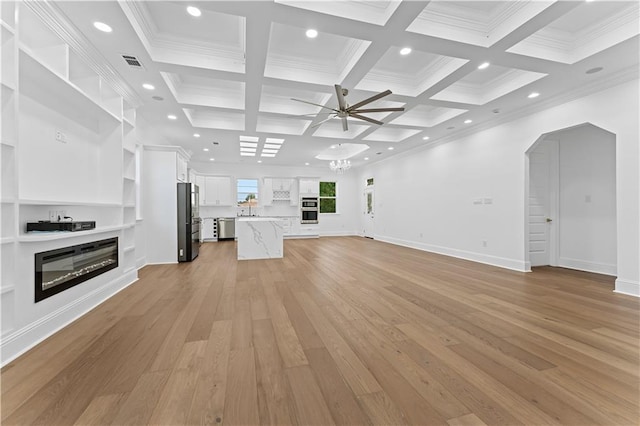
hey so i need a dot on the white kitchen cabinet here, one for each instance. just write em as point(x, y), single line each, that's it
point(309, 187)
point(266, 192)
point(181, 169)
point(293, 193)
point(217, 191)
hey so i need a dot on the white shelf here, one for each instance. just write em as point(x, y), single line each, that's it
point(50, 236)
point(7, 240)
point(133, 225)
point(129, 150)
point(129, 206)
point(128, 249)
point(133, 179)
point(39, 82)
point(7, 27)
point(66, 203)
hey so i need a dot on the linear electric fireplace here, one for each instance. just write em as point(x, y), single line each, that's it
point(60, 269)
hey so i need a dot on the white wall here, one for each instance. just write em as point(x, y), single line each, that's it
point(345, 222)
point(587, 221)
point(159, 206)
point(431, 191)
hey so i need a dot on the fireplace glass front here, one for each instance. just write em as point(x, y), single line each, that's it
point(60, 269)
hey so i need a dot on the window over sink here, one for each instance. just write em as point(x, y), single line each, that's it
point(247, 190)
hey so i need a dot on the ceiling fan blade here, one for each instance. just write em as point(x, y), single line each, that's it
point(376, 110)
point(323, 121)
point(311, 103)
point(342, 103)
point(345, 127)
point(369, 100)
point(362, 117)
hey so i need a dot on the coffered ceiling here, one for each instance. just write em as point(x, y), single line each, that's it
point(233, 70)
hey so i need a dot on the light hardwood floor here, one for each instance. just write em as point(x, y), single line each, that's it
point(342, 330)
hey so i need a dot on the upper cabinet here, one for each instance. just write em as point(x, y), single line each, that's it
point(309, 187)
point(215, 190)
point(279, 189)
point(182, 174)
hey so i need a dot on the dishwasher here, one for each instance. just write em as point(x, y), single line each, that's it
point(226, 228)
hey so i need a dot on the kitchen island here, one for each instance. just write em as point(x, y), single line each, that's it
point(260, 237)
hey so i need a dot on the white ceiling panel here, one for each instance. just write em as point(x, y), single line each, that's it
point(197, 90)
point(284, 126)
point(408, 75)
point(583, 32)
point(427, 116)
point(278, 100)
point(480, 23)
point(390, 134)
point(483, 86)
point(323, 60)
point(333, 129)
point(373, 12)
point(209, 119)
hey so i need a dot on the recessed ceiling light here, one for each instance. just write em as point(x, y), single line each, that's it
point(468, 121)
point(259, 161)
point(211, 159)
point(172, 117)
point(425, 138)
point(306, 164)
point(242, 149)
point(196, 135)
point(483, 66)
point(333, 146)
point(272, 146)
point(270, 151)
point(267, 155)
point(247, 154)
point(102, 27)
point(405, 50)
point(533, 95)
point(248, 144)
point(311, 33)
point(391, 148)
point(594, 70)
point(148, 86)
point(205, 149)
point(249, 138)
point(194, 11)
point(366, 158)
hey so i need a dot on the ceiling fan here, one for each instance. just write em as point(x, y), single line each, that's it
point(345, 110)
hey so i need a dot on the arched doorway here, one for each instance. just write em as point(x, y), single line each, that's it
point(570, 202)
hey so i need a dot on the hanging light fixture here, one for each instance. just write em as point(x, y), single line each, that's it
point(340, 166)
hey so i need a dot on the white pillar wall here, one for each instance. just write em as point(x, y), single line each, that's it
point(425, 198)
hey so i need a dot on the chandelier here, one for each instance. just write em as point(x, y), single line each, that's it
point(340, 166)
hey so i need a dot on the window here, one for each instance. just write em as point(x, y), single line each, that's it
point(247, 193)
point(327, 197)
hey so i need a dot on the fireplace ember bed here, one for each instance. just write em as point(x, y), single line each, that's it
point(60, 269)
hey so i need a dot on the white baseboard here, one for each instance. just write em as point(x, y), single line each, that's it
point(588, 266)
point(338, 233)
point(23, 339)
point(628, 287)
point(502, 262)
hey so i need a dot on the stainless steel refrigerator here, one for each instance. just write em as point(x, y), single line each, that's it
point(188, 222)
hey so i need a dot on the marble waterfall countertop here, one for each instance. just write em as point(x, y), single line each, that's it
point(259, 237)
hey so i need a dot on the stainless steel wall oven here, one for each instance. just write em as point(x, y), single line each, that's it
point(309, 210)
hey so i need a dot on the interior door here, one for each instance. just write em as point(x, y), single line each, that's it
point(540, 201)
point(368, 223)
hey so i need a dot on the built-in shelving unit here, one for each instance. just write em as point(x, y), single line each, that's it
point(67, 147)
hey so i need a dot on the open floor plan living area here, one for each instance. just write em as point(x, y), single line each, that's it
point(339, 212)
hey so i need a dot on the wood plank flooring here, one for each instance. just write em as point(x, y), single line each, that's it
point(341, 331)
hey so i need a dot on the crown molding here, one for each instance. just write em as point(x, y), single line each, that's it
point(57, 22)
point(169, 148)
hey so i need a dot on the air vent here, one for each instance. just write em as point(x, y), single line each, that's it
point(132, 61)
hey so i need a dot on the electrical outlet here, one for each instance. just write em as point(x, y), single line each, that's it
point(484, 243)
point(61, 137)
point(181, 252)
